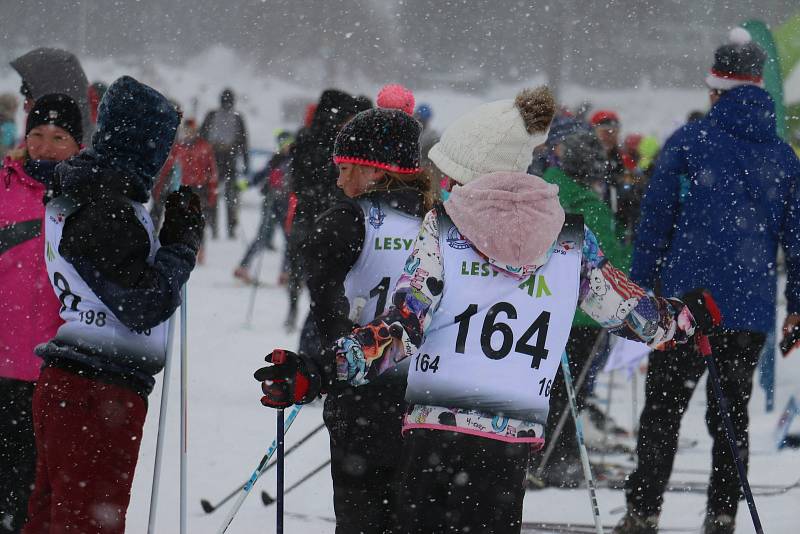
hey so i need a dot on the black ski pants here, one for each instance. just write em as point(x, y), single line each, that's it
point(17, 452)
point(671, 379)
point(364, 426)
point(451, 482)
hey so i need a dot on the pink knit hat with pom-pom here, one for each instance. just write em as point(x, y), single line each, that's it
point(395, 96)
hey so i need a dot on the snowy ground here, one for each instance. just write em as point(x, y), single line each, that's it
point(229, 430)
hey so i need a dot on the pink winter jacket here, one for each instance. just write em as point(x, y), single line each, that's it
point(28, 305)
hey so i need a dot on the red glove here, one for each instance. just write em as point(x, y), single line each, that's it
point(287, 381)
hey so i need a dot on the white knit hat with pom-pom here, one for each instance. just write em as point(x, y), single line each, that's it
point(498, 136)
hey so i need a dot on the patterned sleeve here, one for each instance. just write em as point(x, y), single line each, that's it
point(616, 303)
point(397, 334)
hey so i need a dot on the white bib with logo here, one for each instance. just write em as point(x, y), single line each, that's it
point(89, 325)
point(388, 241)
point(495, 342)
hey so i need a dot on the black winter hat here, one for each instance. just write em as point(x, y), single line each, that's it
point(58, 110)
point(384, 138)
point(740, 62)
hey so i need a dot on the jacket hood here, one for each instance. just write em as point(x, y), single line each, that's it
point(512, 218)
point(136, 126)
point(746, 112)
point(86, 176)
point(50, 70)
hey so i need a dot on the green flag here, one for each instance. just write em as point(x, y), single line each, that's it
point(787, 40)
point(773, 80)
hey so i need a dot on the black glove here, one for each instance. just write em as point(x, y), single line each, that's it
point(183, 219)
point(703, 308)
point(287, 381)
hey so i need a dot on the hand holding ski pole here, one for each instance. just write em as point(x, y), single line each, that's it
point(183, 219)
point(704, 310)
point(287, 381)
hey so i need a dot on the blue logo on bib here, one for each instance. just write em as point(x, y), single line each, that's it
point(456, 240)
point(376, 215)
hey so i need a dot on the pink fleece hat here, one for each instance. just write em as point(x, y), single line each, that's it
point(395, 96)
point(511, 217)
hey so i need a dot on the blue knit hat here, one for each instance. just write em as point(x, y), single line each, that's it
point(136, 126)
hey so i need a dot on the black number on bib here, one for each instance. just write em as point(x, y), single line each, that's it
point(491, 326)
point(382, 292)
point(463, 327)
point(64, 292)
point(424, 363)
point(544, 387)
point(537, 352)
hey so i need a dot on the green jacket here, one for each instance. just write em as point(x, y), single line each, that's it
point(576, 198)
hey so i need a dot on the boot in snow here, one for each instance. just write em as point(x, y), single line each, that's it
point(719, 524)
point(633, 523)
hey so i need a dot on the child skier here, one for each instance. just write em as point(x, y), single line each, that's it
point(482, 312)
point(353, 259)
point(117, 287)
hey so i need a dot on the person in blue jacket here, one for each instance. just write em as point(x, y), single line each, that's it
point(724, 196)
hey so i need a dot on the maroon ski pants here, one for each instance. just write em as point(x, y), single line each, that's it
point(87, 444)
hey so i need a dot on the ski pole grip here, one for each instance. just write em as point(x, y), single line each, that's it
point(703, 344)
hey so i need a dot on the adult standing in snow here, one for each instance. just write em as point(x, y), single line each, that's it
point(606, 127)
point(47, 71)
point(192, 163)
point(313, 181)
point(53, 132)
point(225, 129)
point(274, 208)
point(117, 284)
point(723, 197)
point(482, 312)
point(353, 258)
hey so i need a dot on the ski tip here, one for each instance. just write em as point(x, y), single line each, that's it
point(266, 498)
point(207, 508)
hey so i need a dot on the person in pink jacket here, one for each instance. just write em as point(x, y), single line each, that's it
point(28, 305)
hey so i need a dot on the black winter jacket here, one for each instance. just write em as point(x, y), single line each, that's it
point(331, 250)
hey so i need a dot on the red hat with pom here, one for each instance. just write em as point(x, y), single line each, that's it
point(395, 96)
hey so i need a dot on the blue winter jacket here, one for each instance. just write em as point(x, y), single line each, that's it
point(723, 196)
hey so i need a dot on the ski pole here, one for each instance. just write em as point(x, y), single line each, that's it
point(267, 499)
point(209, 508)
point(162, 417)
point(252, 303)
point(257, 472)
point(598, 342)
point(722, 403)
point(279, 507)
point(184, 407)
point(587, 468)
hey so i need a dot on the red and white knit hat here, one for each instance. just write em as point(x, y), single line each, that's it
point(740, 62)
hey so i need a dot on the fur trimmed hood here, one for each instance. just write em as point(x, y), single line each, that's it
point(512, 218)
